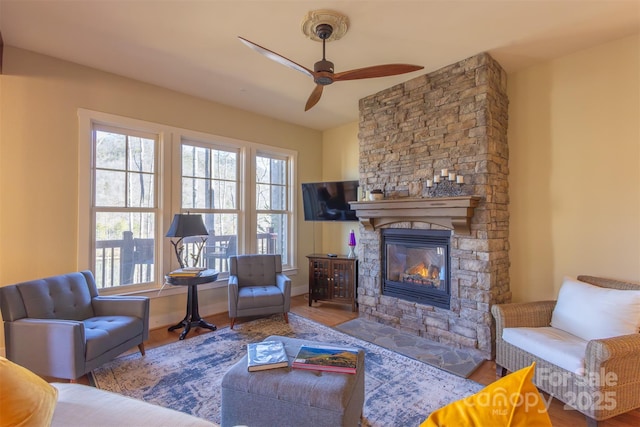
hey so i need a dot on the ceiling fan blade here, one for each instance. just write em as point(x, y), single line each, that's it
point(276, 57)
point(314, 97)
point(376, 71)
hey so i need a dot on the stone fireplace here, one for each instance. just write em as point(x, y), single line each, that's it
point(454, 118)
point(415, 265)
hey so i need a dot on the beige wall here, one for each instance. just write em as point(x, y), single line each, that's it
point(39, 157)
point(340, 152)
point(574, 138)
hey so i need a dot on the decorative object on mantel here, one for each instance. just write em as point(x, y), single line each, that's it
point(376, 195)
point(446, 184)
point(352, 244)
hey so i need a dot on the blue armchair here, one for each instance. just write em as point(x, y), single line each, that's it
point(257, 287)
point(60, 327)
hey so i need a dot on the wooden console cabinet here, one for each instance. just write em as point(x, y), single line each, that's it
point(333, 279)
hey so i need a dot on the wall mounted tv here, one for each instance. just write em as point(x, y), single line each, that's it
point(329, 201)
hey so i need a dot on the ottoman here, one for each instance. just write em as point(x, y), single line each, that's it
point(292, 397)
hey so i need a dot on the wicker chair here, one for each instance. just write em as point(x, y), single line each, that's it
point(618, 355)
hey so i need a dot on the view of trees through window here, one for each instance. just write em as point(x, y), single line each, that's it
point(142, 174)
point(210, 187)
point(272, 203)
point(124, 208)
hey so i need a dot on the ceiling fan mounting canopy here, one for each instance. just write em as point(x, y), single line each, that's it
point(324, 31)
point(321, 26)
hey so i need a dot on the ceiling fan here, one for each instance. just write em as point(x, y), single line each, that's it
point(323, 73)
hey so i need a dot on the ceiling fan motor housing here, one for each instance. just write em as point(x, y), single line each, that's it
point(326, 66)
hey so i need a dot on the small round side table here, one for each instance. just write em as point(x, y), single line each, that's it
point(192, 318)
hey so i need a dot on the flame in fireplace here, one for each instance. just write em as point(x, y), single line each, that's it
point(419, 269)
point(423, 275)
point(431, 272)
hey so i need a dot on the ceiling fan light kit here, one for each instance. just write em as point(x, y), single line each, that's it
point(326, 25)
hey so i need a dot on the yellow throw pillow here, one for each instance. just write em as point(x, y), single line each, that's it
point(25, 399)
point(512, 401)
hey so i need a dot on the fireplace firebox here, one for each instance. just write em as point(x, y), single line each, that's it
point(416, 265)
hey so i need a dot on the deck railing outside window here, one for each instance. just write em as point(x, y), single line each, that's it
point(128, 261)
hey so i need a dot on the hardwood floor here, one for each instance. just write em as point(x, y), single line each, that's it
point(331, 314)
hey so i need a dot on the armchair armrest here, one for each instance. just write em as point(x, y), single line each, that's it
point(284, 283)
point(620, 355)
point(123, 306)
point(49, 347)
point(518, 315)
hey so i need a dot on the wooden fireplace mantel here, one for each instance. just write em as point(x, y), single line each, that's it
point(449, 212)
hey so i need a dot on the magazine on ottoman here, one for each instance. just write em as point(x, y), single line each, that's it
point(326, 358)
point(266, 355)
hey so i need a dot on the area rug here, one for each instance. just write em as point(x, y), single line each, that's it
point(457, 361)
point(186, 375)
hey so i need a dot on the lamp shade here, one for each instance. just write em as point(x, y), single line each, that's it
point(185, 225)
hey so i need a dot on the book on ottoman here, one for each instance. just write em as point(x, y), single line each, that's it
point(266, 355)
point(325, 358)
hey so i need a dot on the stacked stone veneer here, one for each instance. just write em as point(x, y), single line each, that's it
point(454, 118)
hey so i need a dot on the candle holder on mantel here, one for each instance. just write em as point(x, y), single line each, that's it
point(446, 184)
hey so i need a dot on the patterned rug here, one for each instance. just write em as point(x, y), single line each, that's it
point(186, 375)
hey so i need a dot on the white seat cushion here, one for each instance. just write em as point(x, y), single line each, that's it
point(81, 405)
point(553, 345)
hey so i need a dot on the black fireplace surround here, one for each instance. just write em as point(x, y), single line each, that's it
point(416, 265)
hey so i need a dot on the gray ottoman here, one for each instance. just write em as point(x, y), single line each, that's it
point(292, 397)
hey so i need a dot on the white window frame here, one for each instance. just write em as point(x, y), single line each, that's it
point(290, 159)
point(247, 215)
point(169, 189)
point(88, 121)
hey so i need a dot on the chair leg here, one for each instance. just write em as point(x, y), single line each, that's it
point(233, 320)
point(591, 422)
point(141, 348)
point(500, 371)
point(286, 317)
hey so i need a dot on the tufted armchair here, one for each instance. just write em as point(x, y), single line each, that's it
point(586, 345)
point(60, 327)
point(257, 287)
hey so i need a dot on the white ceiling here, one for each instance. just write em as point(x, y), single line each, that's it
point(192, 46)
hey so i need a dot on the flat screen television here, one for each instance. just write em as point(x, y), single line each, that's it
point(329, 201)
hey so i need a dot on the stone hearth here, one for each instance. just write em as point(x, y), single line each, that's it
point(454, 118)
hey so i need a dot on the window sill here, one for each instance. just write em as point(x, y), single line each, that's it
point(169, 290)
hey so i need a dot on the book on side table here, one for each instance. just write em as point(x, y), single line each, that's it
point(186, 272)
point(326, 358)
point(266, 355)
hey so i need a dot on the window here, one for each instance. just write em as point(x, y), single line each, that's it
point(272, 205)
point(135, 175)
point(124, 206)
point(210, 186)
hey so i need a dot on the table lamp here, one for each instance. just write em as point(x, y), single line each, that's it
point(186, 225)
